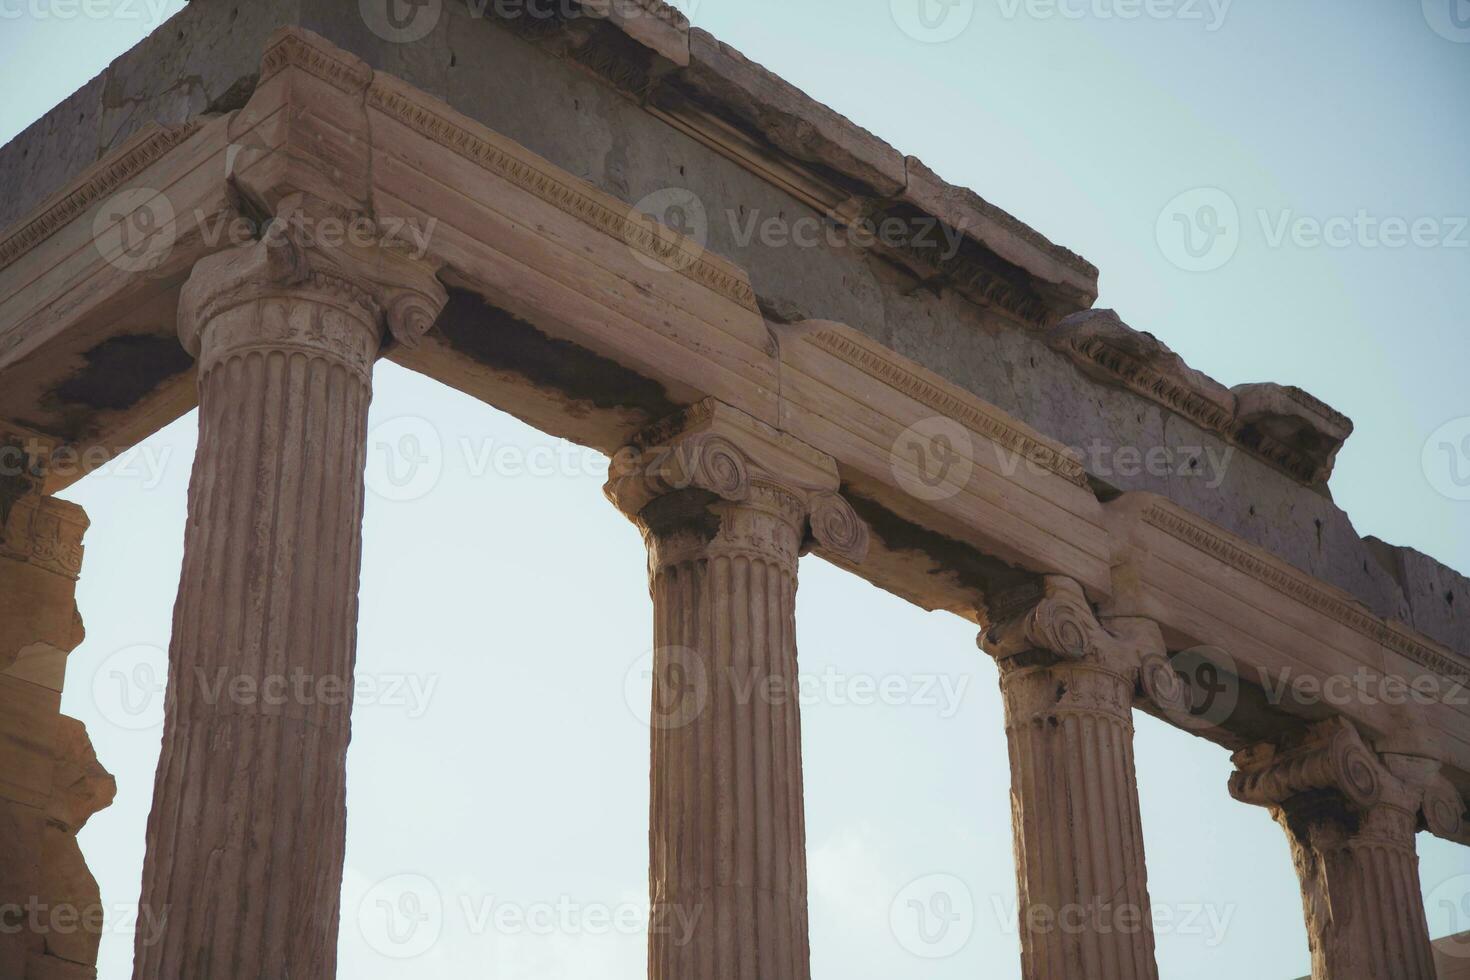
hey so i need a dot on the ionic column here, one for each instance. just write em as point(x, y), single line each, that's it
point(246, 836)
point(50, 780)
point(726, 506)
point(1351, 819)
point(1069, 685)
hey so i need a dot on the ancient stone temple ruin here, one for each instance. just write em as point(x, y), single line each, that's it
point(259, 201)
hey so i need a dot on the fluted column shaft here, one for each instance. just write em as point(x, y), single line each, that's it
point(1082, 881)
point(1359, 874)
point(726, 505)
point(1069, 684)
point(1351, 816)
point(246, 836)
point(727, 835)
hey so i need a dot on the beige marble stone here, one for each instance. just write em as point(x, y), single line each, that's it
point(1351, 818)
point(587, 318)
point(726, 506)
point(50, 780)
point(81, 787)
point(246, 835)
point(1069, 684)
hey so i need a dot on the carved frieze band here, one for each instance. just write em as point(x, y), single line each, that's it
point(150, 146)
point(290, 49)
point(885, 367)
point(1302, 588)
point(44, 532)
point(656, 241)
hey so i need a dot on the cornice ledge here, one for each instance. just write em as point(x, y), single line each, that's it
point(788, 118)
point(141, 151)
point(849, 172)
point(656, 25)
point(1109, 350)
point(1285, 426)
point(1219, 544)
point(922, 385)
point(1067, 274)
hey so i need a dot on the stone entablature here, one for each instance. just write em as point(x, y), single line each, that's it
point(774, 137)
point(1027, 502)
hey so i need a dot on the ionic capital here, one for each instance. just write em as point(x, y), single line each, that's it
point(724, 454)
point(286, 292)
point(1331, 757)
point(1051, 616)
point(1416, 786)
point(1327, 757)
point(1051, 621)
point(1444, 810)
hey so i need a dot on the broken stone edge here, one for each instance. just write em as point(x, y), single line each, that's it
point(1283, 425)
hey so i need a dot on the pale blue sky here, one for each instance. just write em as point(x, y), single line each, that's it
point(516, 770)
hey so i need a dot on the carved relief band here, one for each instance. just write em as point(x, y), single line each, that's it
point(1069, 684)
point(246, 835)
point(726, 506)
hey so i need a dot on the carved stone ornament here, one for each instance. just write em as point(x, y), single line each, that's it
point(44, 532)
point(1161, 684)
point(370, 289)
point(1283, 425)
point(1329, 756)
point(1054, 617)
point(714, 448)
point(1444, 809)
